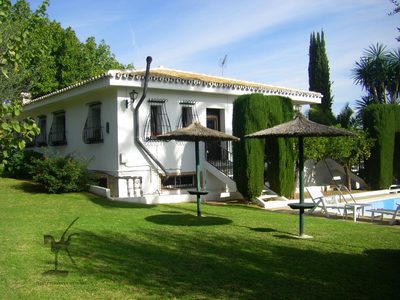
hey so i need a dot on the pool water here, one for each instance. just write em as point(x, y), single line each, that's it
point(387, 204)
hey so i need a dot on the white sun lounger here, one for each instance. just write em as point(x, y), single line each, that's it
point(384, 211)
point(323, 202)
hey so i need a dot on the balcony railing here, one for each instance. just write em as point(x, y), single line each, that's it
point(220, 158)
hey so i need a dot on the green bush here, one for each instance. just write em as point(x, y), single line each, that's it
point(252, 113)
point(249, 113)
point(20, 163)
point(279, 151)
point(61, 174)
point(380, 122)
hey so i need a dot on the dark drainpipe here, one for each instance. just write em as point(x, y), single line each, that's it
point(137, 139)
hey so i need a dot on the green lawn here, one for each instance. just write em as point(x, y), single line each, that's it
point(132, 251)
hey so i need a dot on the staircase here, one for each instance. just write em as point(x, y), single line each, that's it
point(223, 161)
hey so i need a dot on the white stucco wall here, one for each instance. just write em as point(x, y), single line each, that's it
point(76, 111)
point(176, 157)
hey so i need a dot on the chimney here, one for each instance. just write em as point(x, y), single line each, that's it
point(26, 98)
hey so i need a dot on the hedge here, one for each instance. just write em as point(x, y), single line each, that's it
point(252, 113)
point(382, 123)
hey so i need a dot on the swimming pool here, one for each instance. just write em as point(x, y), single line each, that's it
point(387, 204)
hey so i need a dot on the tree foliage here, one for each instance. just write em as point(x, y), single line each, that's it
point(39, 56)
point(18, 48)
point(249, 115)
point(47, 56)
point(345, 150)
point(12, 132)
point(345, 117)
point(378, 72)
point(395, 11)
point(382, 122)
point(16, 24)
point(319, 80)
point(279, 152)
point(61, 174)
point(252, 113)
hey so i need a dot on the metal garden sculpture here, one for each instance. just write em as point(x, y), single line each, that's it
point(56, 247)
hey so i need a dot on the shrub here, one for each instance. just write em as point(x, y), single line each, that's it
point(20, 163)
point(279, 151)
point(249, 113)
point(60, 174)
point(380, 122)
point(252, 113)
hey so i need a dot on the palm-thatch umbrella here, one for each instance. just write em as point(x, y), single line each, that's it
point(196, 133)
point(300, 127)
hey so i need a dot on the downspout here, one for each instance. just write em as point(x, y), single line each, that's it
point(136, 115)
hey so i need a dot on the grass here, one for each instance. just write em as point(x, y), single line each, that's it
point(133, 251)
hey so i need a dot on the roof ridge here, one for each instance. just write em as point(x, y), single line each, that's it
point(169, 75)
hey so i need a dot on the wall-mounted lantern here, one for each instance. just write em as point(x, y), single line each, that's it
point(133, 95)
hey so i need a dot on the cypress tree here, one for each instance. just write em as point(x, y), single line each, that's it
point(319, 81)
point(279, 151)
point(249, 113)
point(380, 122)
point(252, 113)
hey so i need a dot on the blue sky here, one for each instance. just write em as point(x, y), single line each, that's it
point(266, 41)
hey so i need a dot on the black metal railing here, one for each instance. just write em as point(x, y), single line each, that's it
point(220, 158)
point(57, 138)
point(92, 135)
point(41, 139)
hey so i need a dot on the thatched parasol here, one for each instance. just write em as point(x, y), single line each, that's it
point(196, 133)
point(300, 127)
point(196, 130)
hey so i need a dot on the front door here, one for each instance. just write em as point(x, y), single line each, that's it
point(213, 122)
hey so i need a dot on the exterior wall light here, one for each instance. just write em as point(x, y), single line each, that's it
point(133, 95)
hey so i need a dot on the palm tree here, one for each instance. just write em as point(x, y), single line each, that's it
point(361, 106)
point(372, 71)
point(344, 118)
point(394, 67)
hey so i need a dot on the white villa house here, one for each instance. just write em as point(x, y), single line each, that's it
point(98, 118)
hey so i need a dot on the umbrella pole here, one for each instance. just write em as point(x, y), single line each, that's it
point(198, 175)
point(301, 190)
point(301, 184)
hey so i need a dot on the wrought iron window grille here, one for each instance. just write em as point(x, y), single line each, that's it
point(41, 139)
point(188, 115)
point(157, 122)
point(93, 132)
point(179, 181)
point(57, 134)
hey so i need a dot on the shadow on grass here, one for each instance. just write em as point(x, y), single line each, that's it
point(118, 204)
point(187, 220)
point(29, 187)
point(268, 230)
point(210, 266)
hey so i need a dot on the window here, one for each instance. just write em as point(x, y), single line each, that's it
point(57, 136)
point(157, 121)
point(180, 181)
point(41, 139)
point(189, 113)
point(93, 132)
